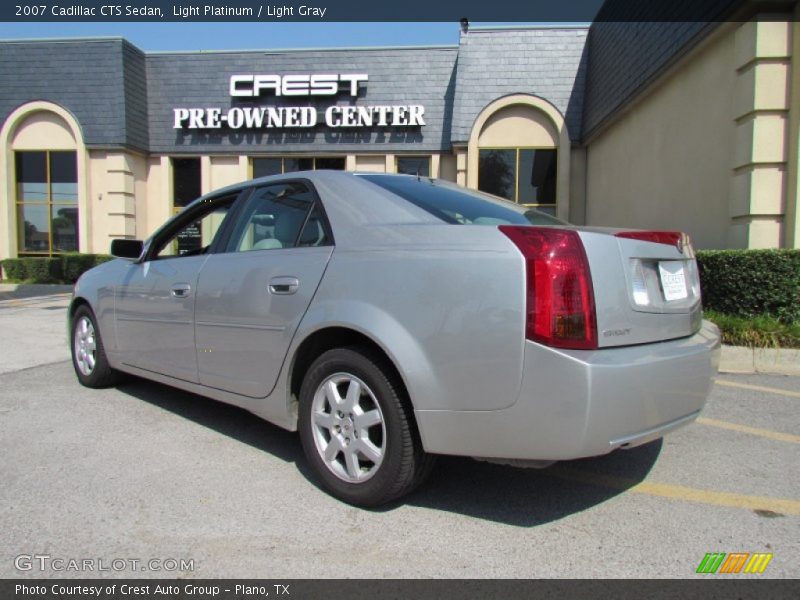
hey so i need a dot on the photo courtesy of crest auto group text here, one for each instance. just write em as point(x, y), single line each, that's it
point(301, 301)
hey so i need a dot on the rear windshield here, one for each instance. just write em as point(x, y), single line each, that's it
point(458, 205)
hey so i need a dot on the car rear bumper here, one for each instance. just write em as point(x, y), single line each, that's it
point(575, 403)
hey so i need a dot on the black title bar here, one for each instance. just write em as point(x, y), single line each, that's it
point(744, 587)
point(376, 10)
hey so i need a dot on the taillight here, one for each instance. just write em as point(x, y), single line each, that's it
point(560, 302)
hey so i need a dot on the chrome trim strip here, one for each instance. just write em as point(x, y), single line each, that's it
point(145, 320)
point(241, 326)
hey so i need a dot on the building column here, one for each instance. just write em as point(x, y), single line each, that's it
point(166, 192)
point(435, 166)
point(205, 174)
point(791, 237)
point(120, 196)
point(461, 166)
point(757, 198)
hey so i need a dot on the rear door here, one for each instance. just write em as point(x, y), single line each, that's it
point(251, 297)
point(155, 302)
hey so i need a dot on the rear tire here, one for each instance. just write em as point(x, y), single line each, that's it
point(358, 431)
point(88, 353)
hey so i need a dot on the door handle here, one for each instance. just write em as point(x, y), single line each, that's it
point(283, 286)
point(180, 290)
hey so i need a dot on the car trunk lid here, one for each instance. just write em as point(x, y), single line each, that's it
point(646, 285)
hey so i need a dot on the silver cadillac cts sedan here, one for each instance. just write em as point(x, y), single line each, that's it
point(391, 318)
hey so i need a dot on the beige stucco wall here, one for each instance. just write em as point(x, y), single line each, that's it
point(224, 171)
point(518, 125)
point(447, 167)
point(666, 164)
point(43, 131)
point(370, 164)
point(577, 186)
point(705, 151)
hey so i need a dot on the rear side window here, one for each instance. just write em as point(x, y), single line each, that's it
point(460, 206)
point(283, 215)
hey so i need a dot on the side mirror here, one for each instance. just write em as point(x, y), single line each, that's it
point(127, 248)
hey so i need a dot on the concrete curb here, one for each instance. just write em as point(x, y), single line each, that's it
point(779, 361)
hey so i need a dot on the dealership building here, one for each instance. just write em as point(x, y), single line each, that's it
point(687, 126)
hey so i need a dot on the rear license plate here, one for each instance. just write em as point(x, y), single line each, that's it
point(673, 280)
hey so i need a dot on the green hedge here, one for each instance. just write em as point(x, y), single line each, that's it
point(14, 269)
point(751, 283)
point(58, 269)
point(44, 270)
point(76, 264)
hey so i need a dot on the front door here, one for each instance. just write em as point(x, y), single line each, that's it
point(251, 297)
point(155, 303)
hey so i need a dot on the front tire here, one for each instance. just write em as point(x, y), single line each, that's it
point(357, 431)
point(88, 354)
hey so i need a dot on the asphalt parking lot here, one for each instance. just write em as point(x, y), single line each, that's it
point(145, 472)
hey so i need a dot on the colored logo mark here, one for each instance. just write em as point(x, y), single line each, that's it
point(735, 562)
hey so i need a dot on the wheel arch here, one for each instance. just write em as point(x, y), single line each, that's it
point(102, 317)
point(76, 303)
point(328, 338)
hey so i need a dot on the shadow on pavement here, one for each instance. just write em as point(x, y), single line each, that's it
point(514, 496)
point(228, 420)
point(530, 497)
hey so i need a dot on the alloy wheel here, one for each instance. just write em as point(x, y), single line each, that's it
point(348, 427)
point(85, 345)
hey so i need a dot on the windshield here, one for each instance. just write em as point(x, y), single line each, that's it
point(460, 206)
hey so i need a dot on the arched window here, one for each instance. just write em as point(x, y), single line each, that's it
point(47, 201)
point(519, 150)
point(43, 172)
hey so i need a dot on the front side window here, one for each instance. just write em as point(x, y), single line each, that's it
point(195, 236)
point(264, 166)
point(47, 201)
point(523, 175)
point(279, 216)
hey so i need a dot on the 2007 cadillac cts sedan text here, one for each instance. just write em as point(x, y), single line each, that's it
point(391, 318)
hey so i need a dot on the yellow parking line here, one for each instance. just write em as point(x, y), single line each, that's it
point(679, 492)
point(758, 388)
point(767, 433)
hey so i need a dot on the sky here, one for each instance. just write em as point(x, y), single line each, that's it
point(237, 36)
point(193, 36)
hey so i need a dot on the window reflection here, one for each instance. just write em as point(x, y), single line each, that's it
point(523, 175)
point(264, 166)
